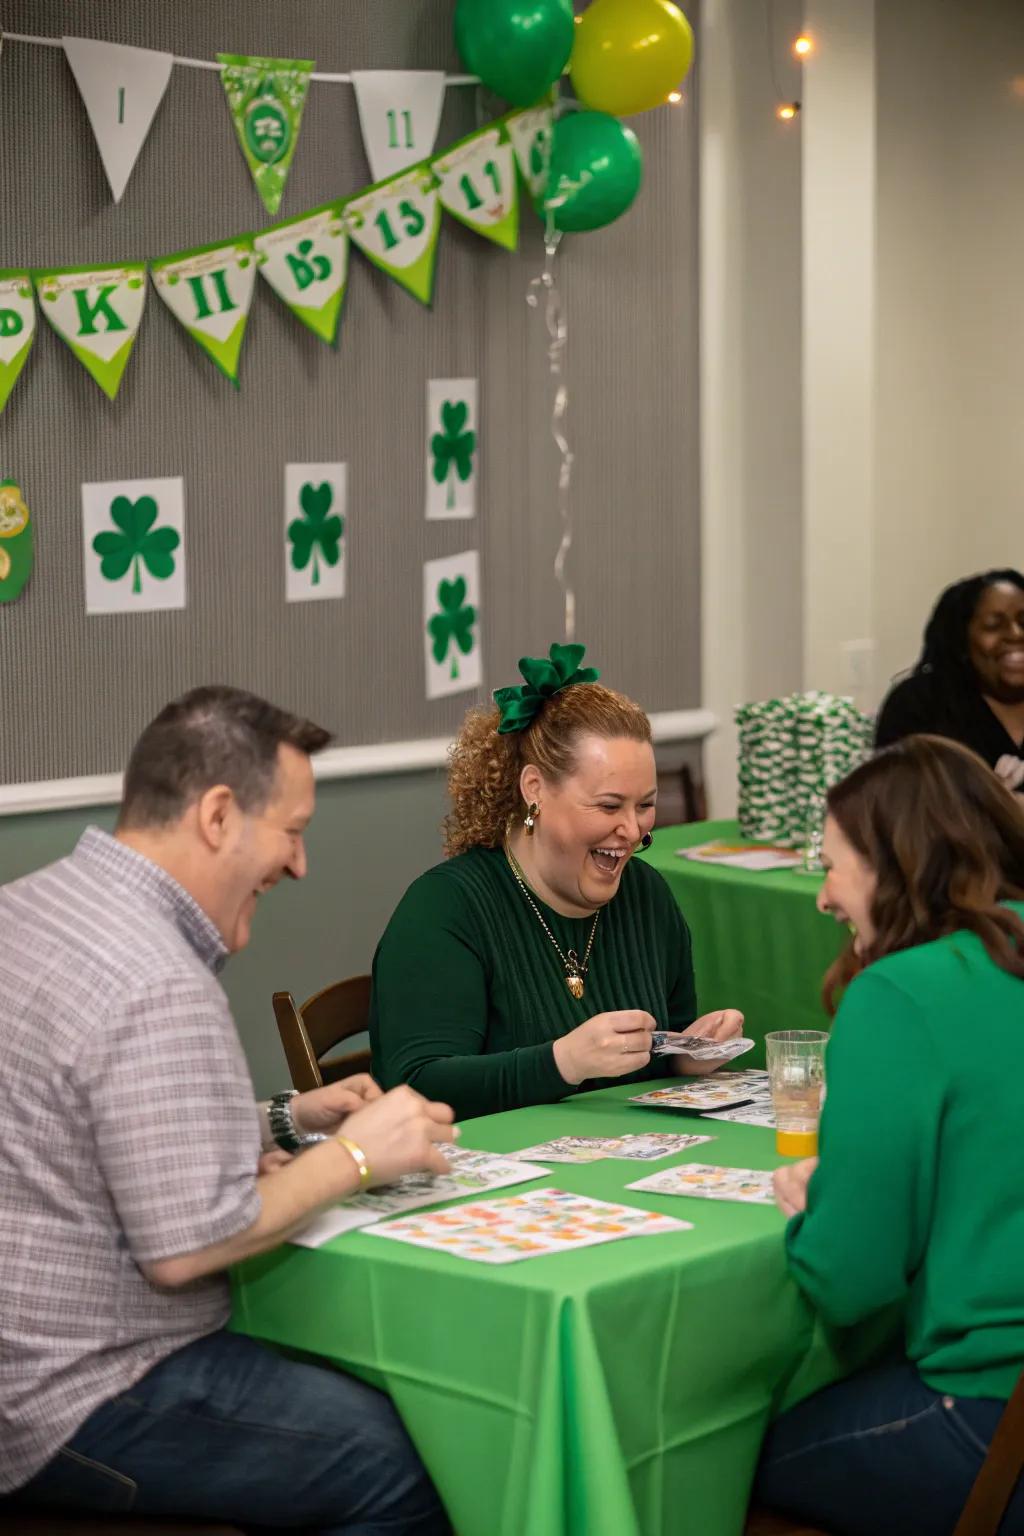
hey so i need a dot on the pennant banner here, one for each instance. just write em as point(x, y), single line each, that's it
point(305, 261)
point(530, 132)
point(396, 224)
point(399, 113)
point(266, 98)
point(17, 328)
point(210, 291)
point(122, 89)
point(478, 185)
point(97, 311)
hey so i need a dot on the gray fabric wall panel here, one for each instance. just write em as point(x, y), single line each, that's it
point(75, 690)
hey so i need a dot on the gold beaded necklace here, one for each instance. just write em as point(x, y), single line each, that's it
point(575, 969)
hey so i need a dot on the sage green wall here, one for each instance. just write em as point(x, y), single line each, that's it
point(368, 840)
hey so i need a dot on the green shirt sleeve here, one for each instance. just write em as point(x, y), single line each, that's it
point(862, 1238)
point(429, 1012)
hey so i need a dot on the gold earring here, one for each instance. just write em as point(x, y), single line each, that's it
point(530, 819)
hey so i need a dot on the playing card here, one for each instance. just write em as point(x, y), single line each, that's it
point(751, 1186)
point(525, 1226)
point(590, 1149)
point(667, 1042)
point(747, 1114)
point(696, 1094)
point(469, 1173)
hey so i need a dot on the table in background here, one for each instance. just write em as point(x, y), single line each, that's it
point(618, 1391)
point(759, 942)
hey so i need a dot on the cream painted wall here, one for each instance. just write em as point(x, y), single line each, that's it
point(862, 335)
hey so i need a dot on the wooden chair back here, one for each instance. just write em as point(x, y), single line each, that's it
point(312, 1031)
point(987, 1501)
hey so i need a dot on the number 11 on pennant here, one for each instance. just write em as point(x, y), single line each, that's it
point(393, 141)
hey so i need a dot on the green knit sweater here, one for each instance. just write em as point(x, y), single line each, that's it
point(469, 994)
point(919, 1196)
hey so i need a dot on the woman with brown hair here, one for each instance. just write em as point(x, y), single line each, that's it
point(536, 961)
point(918, 1197)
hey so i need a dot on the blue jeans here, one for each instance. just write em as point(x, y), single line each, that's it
point(226, 1429)
point(881, 1455)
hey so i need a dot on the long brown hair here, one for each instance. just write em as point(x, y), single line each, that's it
point(946, 842)
point(484, 767)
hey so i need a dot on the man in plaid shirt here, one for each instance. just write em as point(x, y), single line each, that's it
point(135, 1165)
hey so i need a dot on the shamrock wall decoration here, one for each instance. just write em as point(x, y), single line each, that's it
point(451, 624)
point(314, 528)
point(452, 446)
point(314, 534)
point(137, 544)
point(452, 628)
point(134, 545)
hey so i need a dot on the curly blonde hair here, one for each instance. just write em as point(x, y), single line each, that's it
point(484, 767)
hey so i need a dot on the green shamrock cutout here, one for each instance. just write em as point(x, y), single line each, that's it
point(315, 533)
point(138, 543)
point(453, 448)
point(454, 622)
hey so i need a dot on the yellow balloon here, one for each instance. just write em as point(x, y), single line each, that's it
point(628, 54)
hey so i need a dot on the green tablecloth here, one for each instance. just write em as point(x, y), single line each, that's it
point(759, 942)
point(622, 1390)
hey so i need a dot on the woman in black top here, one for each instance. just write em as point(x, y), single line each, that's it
point(969, 681)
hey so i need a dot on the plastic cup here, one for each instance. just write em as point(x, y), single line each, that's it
point(796, 1075)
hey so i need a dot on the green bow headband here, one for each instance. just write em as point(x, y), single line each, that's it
point(520, 706)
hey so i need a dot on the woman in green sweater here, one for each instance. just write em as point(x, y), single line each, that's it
point(918, 1197)
point(536, 961)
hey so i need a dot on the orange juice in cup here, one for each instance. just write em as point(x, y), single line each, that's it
point(796, 1073)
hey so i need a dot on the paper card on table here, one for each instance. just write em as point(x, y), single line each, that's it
point(471, 1173)
point(591, 1149)
point(742, 856)
point(451, 624)
point(750, 1114)
point(315, 526)
point(526, 1226)
point(750, 1186)
point(122, 89)
point(698, 1095)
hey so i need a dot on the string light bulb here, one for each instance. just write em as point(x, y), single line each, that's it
point(787, 110)
point(803, 47)
point(675, 97)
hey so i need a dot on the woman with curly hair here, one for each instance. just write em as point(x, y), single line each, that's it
point(969, 682)
point(536, 961)
point(916, 1199)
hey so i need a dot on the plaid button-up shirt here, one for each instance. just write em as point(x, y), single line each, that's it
point(128, 1133)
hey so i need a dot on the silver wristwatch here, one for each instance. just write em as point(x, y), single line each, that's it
point(282, 1124)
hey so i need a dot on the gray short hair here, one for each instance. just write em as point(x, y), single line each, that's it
point(213, 735)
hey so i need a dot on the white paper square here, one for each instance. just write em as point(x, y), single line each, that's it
point(105, 594)
point(305, 500)
point(452, 447)
point(457, 670)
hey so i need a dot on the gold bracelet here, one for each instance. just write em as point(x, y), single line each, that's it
point(358, 1156)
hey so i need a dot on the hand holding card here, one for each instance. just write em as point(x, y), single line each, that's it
point(667, 1042)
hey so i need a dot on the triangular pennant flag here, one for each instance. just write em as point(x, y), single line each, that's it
point(305, 261)
point(530, 132)
point(122, 89)
point(97, 310)
point(399, 112)
point(395, 224)
point(210, 291)
point(17, 328)
point(478, 185)
point(266, 98)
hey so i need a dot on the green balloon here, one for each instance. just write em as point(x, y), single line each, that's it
point(596, 170)
point(517, 47)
